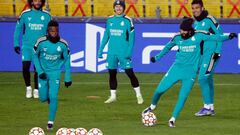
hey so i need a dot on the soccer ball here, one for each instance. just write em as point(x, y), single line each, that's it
point(62, 131)
point(36, 131)
point(81, 131)
point(70, 131)
point(149, 119)
point(95, 131)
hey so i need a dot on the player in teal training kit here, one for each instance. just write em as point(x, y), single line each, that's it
point(185, 67)
point(119, 35)
point(32, 23)
point(210, 55)
point(51, 53)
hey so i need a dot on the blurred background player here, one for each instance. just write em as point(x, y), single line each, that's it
point(119, 35)
point(185, 67)
point(50, 53)
point(210, 54)
point(32, 23)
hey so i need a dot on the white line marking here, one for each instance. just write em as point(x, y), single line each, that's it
point(128, 83)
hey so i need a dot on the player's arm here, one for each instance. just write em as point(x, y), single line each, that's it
point(36, 60)
point(218, 38)
point(130, 38)
point(215, 28)
point(67, 65)
point(165, 50)
point(104, 41)
point(17, 32)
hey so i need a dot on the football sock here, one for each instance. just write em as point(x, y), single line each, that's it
point(113, 93)
point(138, 91)
point(207, 106)
point(152, 106)
point(26, 72)
point(113, 79)
point(132, 77)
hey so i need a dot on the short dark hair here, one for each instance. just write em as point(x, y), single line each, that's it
point(53, 23)
point(30, 3)
point(200, 2)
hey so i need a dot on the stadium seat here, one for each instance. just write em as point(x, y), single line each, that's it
point(103, 8)
point(180, 8)
point(151, 6)
point(229, 11)
point(21, 5)
point(6, 8)
point(79, 8)
point(57, 7)
point(134, 8)
point(213, 7)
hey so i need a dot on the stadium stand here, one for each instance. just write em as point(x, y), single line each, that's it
point(213, 7)
point(20, 5)
point(180, 8)
point(56, 7)
point(231, 8)
point(79, 7)
point(152, 5)
point(6, 8)
point(134, 8)
point(103, 8)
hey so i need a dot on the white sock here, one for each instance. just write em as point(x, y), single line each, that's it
point(138, 91)
point(29, 87)
point(211, 106)
point(207, 106)
point(50, 122)
point(36, 89)
point(152, 106)
point(172, 119)
point(113, 93)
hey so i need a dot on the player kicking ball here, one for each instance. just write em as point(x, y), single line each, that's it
point(185, 67)
point(32, 23)
point(51, 53)
point(119, 35)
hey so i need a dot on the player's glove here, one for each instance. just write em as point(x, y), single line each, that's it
point(232, 35)
point(43, 76)
point(216, 56)
point(17, 49)
point(67, 84)
point(153, 60)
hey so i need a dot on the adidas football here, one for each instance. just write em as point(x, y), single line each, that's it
point(36, 131)
point(149, 119)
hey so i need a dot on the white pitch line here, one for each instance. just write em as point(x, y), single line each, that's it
point(128, 83)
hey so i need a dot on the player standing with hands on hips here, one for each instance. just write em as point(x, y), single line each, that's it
point(119, 35)
point(185, 67)
point(51, 53)
point(32, 23)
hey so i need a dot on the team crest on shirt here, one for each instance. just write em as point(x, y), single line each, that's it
point(44, 49)
point(122, 23)
point(203, 24)
point(193, 38)
point(111, 24)
point(59, 49)
point(42, 18)
point(29, 18)
point(57, 81)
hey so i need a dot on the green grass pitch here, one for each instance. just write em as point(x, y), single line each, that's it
point(18, 114)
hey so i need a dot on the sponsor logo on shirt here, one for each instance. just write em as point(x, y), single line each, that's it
point(33, 26)
point(116, 32)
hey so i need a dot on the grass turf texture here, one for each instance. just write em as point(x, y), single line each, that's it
point(82, 105)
